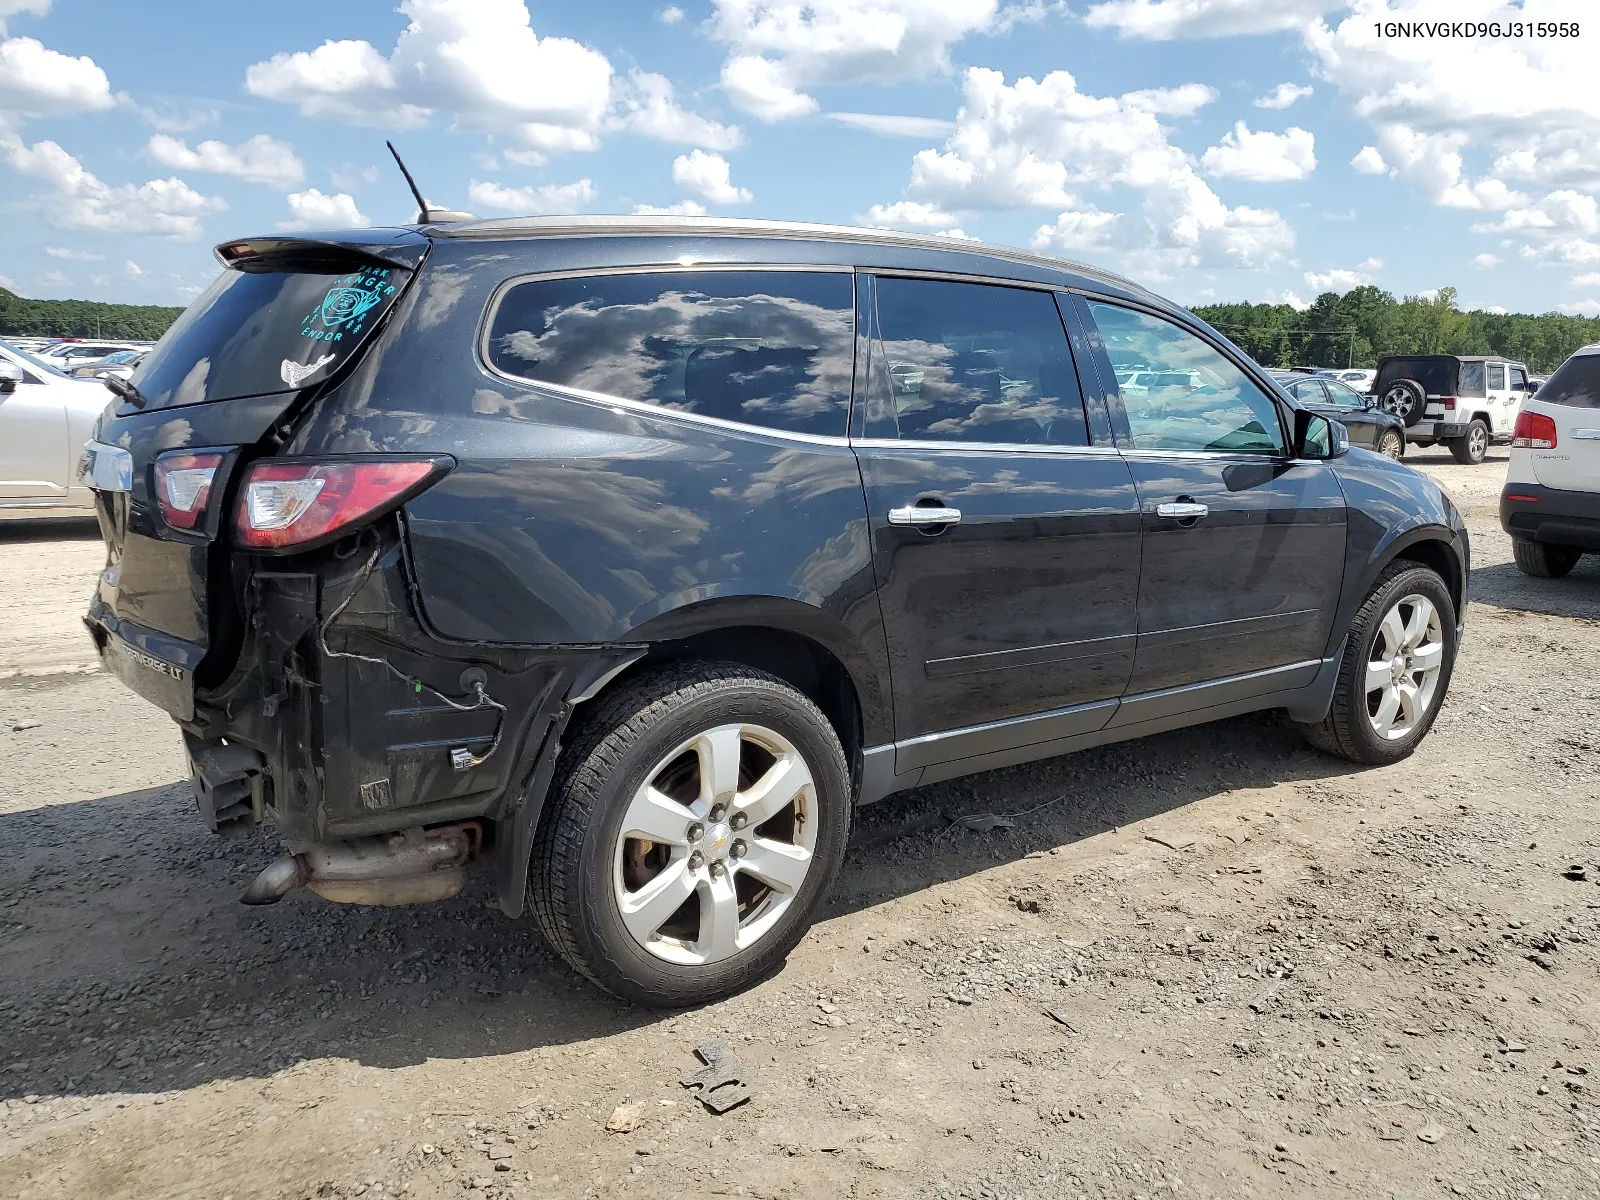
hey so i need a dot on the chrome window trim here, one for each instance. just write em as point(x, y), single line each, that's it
point(983, 447)
point(604, 399)
point(1031, 285)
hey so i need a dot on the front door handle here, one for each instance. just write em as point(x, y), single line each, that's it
point(1183, 510)
point(920, 515)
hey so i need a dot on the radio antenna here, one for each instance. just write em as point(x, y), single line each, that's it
point(424, 213)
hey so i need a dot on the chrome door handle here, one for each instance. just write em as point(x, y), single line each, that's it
point(1182, 511)
point(917, 515)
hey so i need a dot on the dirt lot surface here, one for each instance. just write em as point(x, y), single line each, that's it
point(1212, 963)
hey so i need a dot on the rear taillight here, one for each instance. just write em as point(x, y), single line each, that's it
point(1447, 401)
point(283, 504)
point(1534, 431)
point(183, 487)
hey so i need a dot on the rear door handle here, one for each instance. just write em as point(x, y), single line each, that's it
point(1181, 511)
point(919, 515)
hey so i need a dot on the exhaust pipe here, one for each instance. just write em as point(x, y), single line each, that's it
point(401, 868)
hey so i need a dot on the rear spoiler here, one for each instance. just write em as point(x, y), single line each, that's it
point(404, 248)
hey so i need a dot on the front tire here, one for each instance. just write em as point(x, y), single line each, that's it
point(1471, 448)
point(1396, 668)
point(1542, 560)
point(695, 824)
point(1392, 445)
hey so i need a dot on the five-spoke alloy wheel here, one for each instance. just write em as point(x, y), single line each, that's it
point(697, 819)
point(1395, 670)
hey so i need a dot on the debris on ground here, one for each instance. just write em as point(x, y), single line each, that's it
point(724, 1082)
point(1577, 872)
point(1170, 845)
point(624, 1118)
point(984, 822)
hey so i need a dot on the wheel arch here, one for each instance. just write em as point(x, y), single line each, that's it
point(1432, 547)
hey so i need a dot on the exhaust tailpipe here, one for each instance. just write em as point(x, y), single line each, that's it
point(401, 868)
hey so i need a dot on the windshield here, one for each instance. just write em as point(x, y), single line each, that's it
point(29, 361)
point(255, 332)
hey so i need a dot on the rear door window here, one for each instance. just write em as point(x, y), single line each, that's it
point(768, 348)
point(1496, 380)
point(1470, 380)
point(975, 362)
point(1576, 383)
point(255, 332)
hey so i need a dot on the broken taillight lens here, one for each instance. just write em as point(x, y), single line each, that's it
point(183, 487)
point(293, 504)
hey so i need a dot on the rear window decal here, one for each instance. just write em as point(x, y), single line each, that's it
point(345, 306)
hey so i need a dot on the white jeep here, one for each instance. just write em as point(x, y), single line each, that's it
point(1465, 401)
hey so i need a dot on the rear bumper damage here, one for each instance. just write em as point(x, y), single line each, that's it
point(368, 742)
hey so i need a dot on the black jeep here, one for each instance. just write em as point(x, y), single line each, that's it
point(630, 555)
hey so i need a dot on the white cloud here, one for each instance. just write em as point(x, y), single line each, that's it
point(1486, 260)
point(706, 176)
point(261, 159)
point(671, 15)
point(1289, 298)
point(54, 278)
point(1164, 20)
point(1581, 308)
point(1082, 231)
point(8, 283)
point(1370, 264)
point(38, 82)
point(683, 208)
point(895, 126)
point(652, 110)
point(757, 86)
point(1368, 161)
point(1262, 157)
point(549, 199)
point(1283, 96)
point(131, 269)
point(780, 47)
point(166, 116)
point(1031, 143)
point(1339, 280)
point(1587, 279)
point(13, 8)
point(81, 201)
point(70, 255)
point(347, 178)
point(478, 61)
point(1182, 101)
point(910, 213)
point(311, 209)
point(1498, 310)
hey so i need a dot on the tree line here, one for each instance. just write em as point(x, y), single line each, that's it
point(20, 317)
point(1366, 323)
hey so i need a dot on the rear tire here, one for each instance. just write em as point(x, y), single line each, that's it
point(719, 892)
point(1405, 399)
point(1378, 659)
point(1391, 444)
point(1542, 560)
point(1471, 448)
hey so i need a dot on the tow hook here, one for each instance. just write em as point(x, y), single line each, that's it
point(401, 868)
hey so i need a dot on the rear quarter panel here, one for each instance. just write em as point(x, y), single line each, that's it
point(570, 522)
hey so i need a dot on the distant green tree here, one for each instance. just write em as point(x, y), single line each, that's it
point(83, 318)
point(1367, 323)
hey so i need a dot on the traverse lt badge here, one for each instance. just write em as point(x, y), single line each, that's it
point(294, 374)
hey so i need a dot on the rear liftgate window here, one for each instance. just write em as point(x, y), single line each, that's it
point(768, 348)
point(260, 331)
point(1575, 385)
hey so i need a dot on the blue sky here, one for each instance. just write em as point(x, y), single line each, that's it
point(1213, 149)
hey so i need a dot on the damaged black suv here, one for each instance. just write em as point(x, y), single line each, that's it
point(628, 556)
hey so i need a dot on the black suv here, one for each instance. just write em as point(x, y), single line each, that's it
point(631, 554)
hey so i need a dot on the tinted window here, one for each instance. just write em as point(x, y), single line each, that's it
point(254, 332)
point(1497, 377)
point(1519, 379)
point(771, 348)
point(1308, 391)
point(1218, 408)
point(1576, 383)
point(1343, 396)
point(972, 362)
point(1435, 372)
point(1470, 380)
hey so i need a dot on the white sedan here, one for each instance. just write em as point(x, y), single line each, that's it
point(45, 418)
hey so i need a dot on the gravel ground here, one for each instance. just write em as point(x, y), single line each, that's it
point(1211, 963)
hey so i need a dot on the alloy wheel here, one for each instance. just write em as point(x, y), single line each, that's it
point(1399, 401)
point(1478, 441)
point(1391, 445)
point(1404, 667)
point(715, 844)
